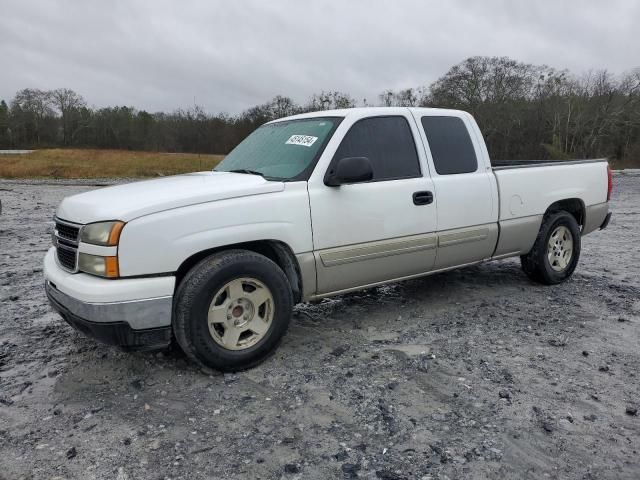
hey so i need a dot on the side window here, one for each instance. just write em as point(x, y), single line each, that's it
point(450, 145)
point(387, 142)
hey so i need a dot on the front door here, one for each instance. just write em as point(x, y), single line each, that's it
point(383, 229)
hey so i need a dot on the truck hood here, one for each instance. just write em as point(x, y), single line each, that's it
point(132, 200)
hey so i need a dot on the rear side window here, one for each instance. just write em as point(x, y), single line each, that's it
point(450, 145)
point(387, 142)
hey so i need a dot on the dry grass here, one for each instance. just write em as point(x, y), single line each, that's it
point(88, 163)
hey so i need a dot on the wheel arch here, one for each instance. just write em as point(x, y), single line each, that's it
point(278, 252)
point(574, 206)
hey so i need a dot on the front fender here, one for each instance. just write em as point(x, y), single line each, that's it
point(161, 242)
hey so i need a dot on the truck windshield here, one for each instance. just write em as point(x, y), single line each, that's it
point(284, 150)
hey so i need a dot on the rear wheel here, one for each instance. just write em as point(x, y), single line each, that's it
point(232, 309)
point(555, 253)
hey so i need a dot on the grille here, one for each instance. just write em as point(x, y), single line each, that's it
point(67, 257)
point(67, 232)
point(66, 243)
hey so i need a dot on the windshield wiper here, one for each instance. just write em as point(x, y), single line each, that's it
point(253, 172)
point(245, 170)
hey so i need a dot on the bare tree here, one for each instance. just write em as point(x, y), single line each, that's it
point(387, 98)
point(330, 100)
point(283, 107)
point(30, 108)
point(68, 104)
point(408, 97)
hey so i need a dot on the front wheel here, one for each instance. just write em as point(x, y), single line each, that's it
point(232, 309)
point(556, 251)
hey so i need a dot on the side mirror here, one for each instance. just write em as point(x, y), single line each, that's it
point(349, 170)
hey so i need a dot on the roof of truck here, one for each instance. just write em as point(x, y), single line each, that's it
point(367, 111)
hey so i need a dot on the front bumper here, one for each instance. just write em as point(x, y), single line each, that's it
point(129, 313)
point(117, 333)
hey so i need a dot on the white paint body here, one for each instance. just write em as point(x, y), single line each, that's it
point(171, 219)
point(539, 187)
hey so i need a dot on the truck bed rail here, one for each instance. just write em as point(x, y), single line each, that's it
point(507, 164)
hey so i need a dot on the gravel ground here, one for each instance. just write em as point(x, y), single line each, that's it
point(476, 373)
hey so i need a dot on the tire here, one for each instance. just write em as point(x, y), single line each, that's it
point(213, 301)
point(536, 263)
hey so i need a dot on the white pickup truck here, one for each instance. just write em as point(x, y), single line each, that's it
point(307, 207)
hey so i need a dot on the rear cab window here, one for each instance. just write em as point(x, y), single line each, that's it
point(450, 144)
point(388, 144)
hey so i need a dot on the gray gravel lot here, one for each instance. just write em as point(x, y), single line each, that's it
point(476, 373)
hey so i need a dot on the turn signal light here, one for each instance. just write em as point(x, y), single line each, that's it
point(98, 265)
point(111, 267)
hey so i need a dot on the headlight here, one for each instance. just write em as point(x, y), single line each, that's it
point(106, 234)
point(96, 265)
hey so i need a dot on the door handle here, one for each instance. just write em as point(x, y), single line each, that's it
point(422, 198)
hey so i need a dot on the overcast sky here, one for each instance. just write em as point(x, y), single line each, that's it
point(230, 55)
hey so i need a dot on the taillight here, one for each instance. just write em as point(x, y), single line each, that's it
point(609, 182)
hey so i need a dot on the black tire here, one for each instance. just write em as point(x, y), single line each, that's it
point(536, 264)
point(195, 294)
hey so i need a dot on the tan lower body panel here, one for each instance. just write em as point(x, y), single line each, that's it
point(354, 265)
point(307, 264)
point(594, 216)
point(517, 235)
point(464, 245)
point(346, 269)
point(391, 280)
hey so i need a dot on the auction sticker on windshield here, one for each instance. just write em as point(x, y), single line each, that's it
point(304, 140)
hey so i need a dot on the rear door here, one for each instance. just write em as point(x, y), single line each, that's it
point(464, 187)
point(371, 232)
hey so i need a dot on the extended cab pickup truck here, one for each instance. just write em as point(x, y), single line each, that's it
point(307, 207)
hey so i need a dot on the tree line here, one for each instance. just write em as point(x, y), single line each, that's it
point(525, 111)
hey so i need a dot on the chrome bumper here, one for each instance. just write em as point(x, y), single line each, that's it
point(132, 325)
point(139, 314)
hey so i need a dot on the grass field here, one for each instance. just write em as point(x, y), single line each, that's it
point(88, 163)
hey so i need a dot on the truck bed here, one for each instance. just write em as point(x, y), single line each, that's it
point(527, 188)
